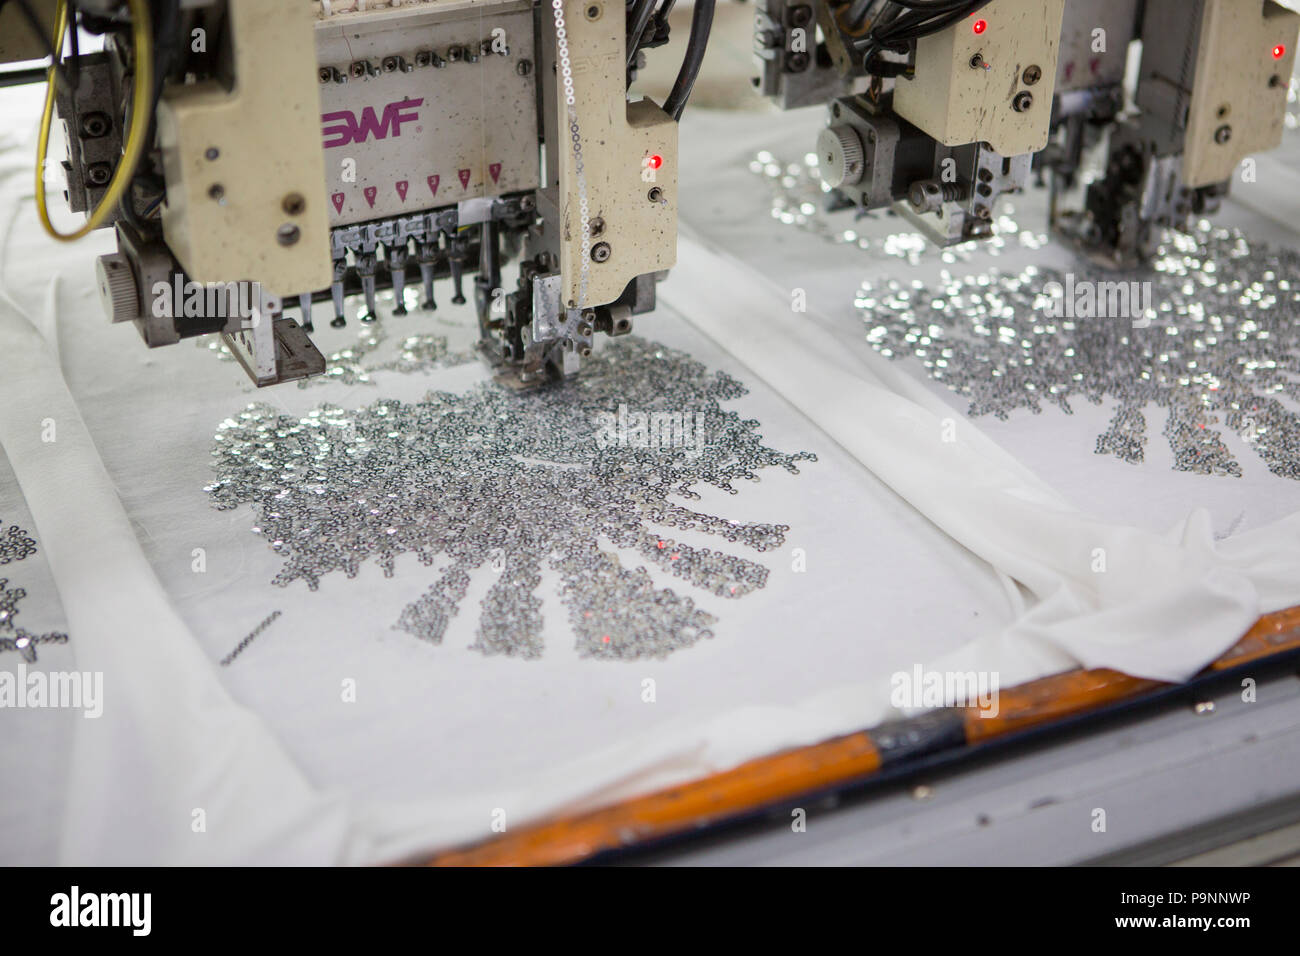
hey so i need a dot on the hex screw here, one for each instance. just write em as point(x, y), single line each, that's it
point(600, 252)
point(1023, 101)
point(94, 125)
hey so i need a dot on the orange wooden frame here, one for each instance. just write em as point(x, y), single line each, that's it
point(789, 774)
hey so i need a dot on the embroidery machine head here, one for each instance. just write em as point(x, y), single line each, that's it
point(937, 109)
point(257, 154)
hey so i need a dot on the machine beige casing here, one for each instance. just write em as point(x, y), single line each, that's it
point(967, 83)
point(245, 172)
point(1235, 69)
point(632, 203)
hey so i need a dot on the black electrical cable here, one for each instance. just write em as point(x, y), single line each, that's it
point(166, 17)
point(925, 19)
point(24, 76)
point(905, 17)
point(641, 14)
point(701, 25)
point(920, 20)
point(167, 45)
point(47, 41)
point(74, 36)
point(895, 8)
point(858, 12)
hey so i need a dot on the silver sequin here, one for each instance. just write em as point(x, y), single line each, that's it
point(1218, 347)
point(517, 483)
point(802, 201)
point(17, 545)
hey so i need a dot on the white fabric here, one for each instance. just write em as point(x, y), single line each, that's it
point(170, 722)
point(731, 699)
point(440, 737)
point(1160, 608)
point(728, 207)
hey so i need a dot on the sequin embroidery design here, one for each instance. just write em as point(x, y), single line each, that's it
point(517, 483)
point(1216, 345)
point(17, 545)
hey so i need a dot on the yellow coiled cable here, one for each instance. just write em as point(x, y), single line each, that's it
point(141, 104)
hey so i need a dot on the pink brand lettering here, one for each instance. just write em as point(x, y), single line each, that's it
point(343, 128)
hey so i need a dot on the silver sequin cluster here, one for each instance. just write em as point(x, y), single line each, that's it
point(354, 365)
point(799, 199)
point(16, 545)
point(1222, 348)
point(418, 353)
point(517, 483)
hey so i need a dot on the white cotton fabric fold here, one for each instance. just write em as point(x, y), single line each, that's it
point(167, 721)
point(1105, 595)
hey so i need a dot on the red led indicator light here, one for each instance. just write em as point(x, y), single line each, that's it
point(655, 162)
point(980, 26)
point(1279, 51)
